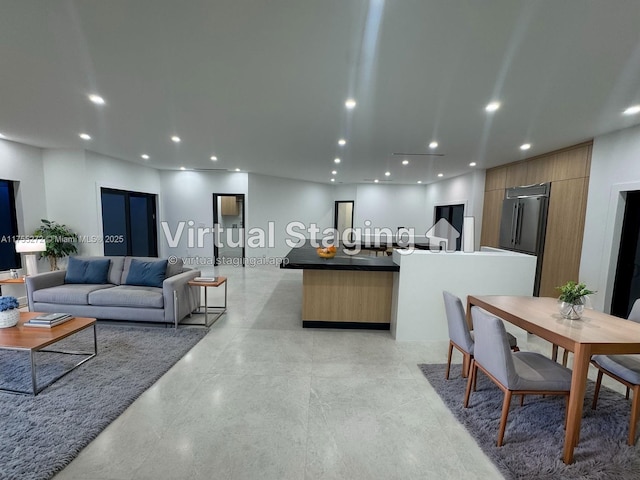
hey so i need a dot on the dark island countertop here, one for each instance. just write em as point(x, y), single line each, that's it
point(305, 257)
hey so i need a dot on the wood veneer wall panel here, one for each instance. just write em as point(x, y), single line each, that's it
point(495, 179)
point(572, 163)
point(491, 215)
point(347, 296)
point(516, 174)
point(565, 228)
point(539, 170)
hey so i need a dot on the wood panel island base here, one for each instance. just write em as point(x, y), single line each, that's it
point(347, 299)
point(347, 291)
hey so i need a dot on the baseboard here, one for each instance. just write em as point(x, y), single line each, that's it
point(346, 325)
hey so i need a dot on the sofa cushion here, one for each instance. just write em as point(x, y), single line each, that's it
point(128, 296)
point(146, 274)
point(93, 271)
point(68, 294)
point(173, 268)
point(115, 268)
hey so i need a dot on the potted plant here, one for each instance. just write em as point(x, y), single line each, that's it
point(61, 241)
point(572, 298)
point(9, 313)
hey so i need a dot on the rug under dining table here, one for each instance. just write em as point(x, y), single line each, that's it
point(534, 435)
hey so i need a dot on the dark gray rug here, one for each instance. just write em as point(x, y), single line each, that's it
point(41, 435)
point(534, 436)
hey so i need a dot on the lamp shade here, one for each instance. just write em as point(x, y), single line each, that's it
point(31, 245)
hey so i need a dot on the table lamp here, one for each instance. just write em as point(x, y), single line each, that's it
point(29, 247)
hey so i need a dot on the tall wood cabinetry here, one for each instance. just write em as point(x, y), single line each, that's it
point(568, 172)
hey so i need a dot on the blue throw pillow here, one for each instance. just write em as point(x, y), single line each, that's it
point(95, 271)
point(147, 274)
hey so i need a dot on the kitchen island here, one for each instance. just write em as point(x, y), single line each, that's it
point(347, 291)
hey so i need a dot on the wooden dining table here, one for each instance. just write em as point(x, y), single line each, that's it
point(595, 333)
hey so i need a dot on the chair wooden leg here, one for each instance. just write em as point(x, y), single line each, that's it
point(505, 413)
point(472, 374)
point(635, 409)
point(446, 375)
point(466, 363)
point(596, 392)
point(475, 379)
point(565, 358)
point(554, 352)
point(566, 410)
point(521, 400)
point(627, 394)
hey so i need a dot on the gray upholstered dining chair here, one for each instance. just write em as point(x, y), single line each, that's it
point(460, 336)
point(626, 370)
point(515, 373)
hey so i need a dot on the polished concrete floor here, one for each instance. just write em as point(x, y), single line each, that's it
point(261, 398)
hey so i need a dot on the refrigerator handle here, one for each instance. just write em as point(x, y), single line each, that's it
point(519, 223)
point(514, 224)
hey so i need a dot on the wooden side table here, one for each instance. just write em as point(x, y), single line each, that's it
point(218, 310)
point(13, 282)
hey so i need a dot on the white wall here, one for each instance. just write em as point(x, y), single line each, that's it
point(187, 197)
point(282, 201)
point(615, 168)
point(73, 182)
point(466, 189)
point(23, 163)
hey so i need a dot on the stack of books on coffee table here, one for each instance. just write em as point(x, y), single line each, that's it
point(48, 320)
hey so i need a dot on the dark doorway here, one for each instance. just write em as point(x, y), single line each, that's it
point(454, 214)
point(9, 258)
point(626, 288)
point(343, 218)
point(129, 223)
point(228, 220)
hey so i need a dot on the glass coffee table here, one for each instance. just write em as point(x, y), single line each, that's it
point(37, 339)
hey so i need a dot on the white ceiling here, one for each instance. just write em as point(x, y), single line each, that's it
point(262, 83)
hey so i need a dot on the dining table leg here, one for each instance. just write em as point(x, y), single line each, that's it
point(582, 356)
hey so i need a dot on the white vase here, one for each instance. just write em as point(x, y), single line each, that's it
point(9, 318)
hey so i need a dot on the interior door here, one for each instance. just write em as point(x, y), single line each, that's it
point(228, 220)
point(343, 218)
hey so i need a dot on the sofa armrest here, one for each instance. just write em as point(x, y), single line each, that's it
point(43, 280)
point(188, 297)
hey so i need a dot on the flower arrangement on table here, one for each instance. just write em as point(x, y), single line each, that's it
point(572, 298)
point(9, 313)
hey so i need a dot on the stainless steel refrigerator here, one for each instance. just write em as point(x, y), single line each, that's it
point(524, 222)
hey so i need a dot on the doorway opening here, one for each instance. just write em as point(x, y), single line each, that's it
point(228, 222)
point(626, 287)
point(129, 223)
point(454, 214)
point(343, 218)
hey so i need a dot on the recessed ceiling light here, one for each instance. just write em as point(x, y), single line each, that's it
point(334, 172)
point(176, 139)
point(336, 160)
point(441, 174)
point(632, 110)
point(525, 146)
point(387, 174)
point(97, 99)
point(405, 162)
point(433, 145)
point(376, 181)
point(214, 158)
point(333, 179)
point(350, 103)
point(182, 168)
point(145, 156)
point(237, 169)
point(492, 107)
point(85, 136)
point(342, 142)
point(472, 164)
point(419, 181)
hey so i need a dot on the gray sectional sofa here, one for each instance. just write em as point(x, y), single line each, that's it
point(117, 289)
